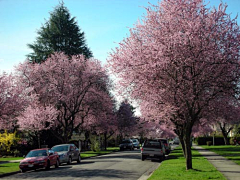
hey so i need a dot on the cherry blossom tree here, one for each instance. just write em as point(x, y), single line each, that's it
point(227, 113)
point(180, 57)
point(12, 101)
point(68, 89)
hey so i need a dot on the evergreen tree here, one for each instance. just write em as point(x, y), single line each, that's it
point(60, 34)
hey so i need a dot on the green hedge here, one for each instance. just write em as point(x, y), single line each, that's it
point(203, 140)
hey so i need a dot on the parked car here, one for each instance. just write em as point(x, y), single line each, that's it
point(126, 144)
point(176, 140)
point(153, 148)
point(67, 153)
point(167, 145)
point(39, 158)
point(136, 143)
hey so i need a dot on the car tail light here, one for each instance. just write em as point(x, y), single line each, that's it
point(142, 149)
point(166, 145)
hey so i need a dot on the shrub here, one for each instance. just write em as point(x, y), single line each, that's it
point(218, 140)
point(234, 140)
point(209, 143)
point(95, 145)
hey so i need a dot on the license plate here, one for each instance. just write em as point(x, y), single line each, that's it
point(124, 146)
point(151, 155)
point(30, 165)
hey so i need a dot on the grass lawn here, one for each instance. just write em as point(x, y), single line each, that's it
point(174, 168)
point(10, 158)
point(229, 151)
point(8, 167)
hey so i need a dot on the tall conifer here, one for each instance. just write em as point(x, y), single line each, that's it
point(59, 34)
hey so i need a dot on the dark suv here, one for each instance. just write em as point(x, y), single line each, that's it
point(126, 144)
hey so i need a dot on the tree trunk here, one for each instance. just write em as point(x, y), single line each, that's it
point(224, 133)
point(188, 151)
point(105, 141)
point(226, 141)
point(183, 145)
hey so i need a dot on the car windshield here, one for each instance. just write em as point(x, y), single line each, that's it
point(134, 140)
point(152, 144)
point(60, 148)
point(37, 153)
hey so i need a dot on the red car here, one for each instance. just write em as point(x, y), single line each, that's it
point(39, 158)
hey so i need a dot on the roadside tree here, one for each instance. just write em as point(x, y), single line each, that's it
point(67, 91)
point(12, 101)
point(181, 57)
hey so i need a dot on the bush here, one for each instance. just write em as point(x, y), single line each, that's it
point(218, 140)
point(95, 145)
point(209, 143)
point(234, 140)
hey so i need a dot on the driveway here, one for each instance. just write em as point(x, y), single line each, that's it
point(119, 165)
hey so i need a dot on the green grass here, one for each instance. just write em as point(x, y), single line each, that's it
point(92, 153)
point(175, 168)
point(8, 167)
point(229, 151)
point(11, 158)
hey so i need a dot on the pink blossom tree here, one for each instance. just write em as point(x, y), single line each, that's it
point(180, 57)
point(12, 101)
point(227, 112)
point(68, 89)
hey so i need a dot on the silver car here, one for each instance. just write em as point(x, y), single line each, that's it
point(67, 153)
point(153, 148)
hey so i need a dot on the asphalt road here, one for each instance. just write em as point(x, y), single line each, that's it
point(119, 165)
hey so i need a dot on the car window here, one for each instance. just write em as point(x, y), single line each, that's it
point(152, 144)
point(60, 148)
point(72, 148)
point(37, 153)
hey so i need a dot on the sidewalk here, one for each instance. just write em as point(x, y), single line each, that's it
point(227, 167)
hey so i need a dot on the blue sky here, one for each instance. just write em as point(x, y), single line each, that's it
point(105, 23)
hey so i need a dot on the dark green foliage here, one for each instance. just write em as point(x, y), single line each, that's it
point(59, 34)
point(204, 140)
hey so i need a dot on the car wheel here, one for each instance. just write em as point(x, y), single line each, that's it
point(22, 170)
point(48, 165)
point(79, 159)
point(143, 157)
point(69, 160)
point(57, 164)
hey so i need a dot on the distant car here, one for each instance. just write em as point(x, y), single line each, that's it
point(39, 158)
point(153, 148)
point(67, 153)
point(136, 143)
point(167, 145)
point(176, 140)
point(126, 144)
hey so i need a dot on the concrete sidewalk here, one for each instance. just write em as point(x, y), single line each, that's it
point(228, 168)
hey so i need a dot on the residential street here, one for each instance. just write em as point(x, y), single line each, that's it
point(119, 165)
